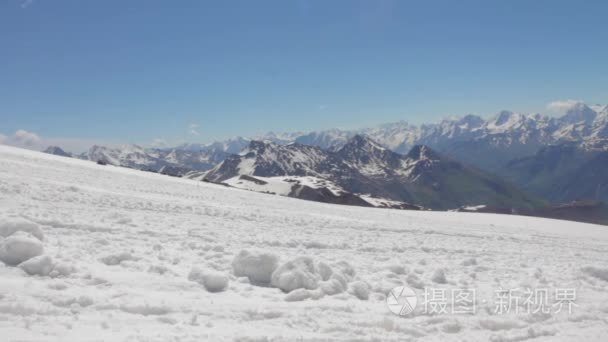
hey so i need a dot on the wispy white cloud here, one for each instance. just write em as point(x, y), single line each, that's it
point(561, 106)
point(193, 129)
point(26, 3)
point(159, 143)
point(33, 141)
point(25, 139)
point(22, 138)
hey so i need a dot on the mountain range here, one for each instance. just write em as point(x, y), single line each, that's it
point(558, 159)
point(364, 168)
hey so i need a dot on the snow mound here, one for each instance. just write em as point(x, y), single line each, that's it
point(213, 281)
point(19, 247)
point(298, 273)
point(302, 279)
point(41, 265)
point(256, 265)
point(11, 225)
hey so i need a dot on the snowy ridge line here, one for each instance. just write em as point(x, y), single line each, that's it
point(581, 122)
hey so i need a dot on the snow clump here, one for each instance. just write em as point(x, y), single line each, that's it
point(41, 265)
point(44, 265)
point(297, 273)
point(19, 247)
point(256, 265)
point(213, 281)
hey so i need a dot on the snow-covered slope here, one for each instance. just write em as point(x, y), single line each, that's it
point(137, 256)
point(313, 189)
point(282, 185)
point(178, 160)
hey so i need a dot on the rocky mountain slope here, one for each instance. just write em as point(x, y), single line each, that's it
point(514, 145)
point(564, 172)
point(364, 167)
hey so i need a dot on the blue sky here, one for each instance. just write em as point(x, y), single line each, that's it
point(136, 71)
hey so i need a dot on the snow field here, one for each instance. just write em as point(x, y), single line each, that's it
point(135, 256)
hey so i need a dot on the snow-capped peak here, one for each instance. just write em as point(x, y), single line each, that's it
point(579, 113)
point(598, 108)
point(58, 151)
point(470, 121)
point(364, 142)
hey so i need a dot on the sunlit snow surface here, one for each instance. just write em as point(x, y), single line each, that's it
point(129, 240)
